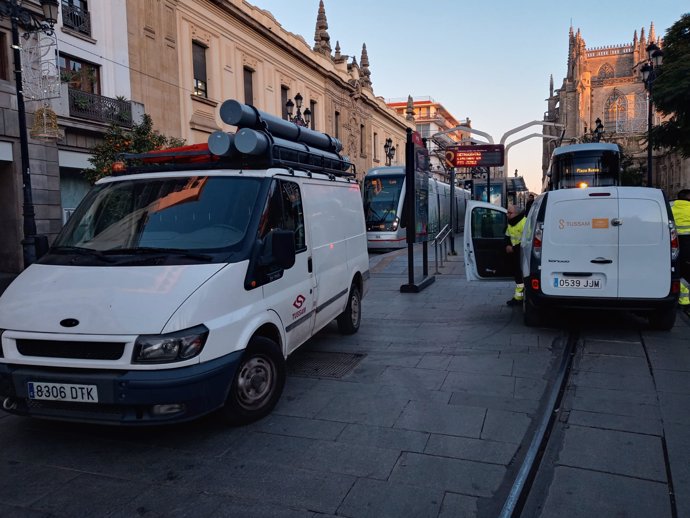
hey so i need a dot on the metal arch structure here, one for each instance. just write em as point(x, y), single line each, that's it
point(518, 141)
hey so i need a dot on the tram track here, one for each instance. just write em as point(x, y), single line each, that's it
point(527, 473)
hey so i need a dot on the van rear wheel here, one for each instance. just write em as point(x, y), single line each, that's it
point(531, 314)
point(258, 383)
point(662, 320)
point(350, 319)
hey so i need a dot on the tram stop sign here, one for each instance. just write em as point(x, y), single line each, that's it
point(485, 155)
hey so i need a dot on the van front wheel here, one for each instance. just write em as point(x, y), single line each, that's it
point(258, 383)
point(349, 320)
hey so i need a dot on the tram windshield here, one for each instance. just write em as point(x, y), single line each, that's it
point(586, 169)
point(381, 201)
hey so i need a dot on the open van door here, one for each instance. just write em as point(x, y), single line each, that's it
point(485, 255)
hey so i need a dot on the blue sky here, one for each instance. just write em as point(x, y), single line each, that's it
point(489, 61)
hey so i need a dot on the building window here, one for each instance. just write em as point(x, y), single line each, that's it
point(75, 16)
point(424, 130)
point(376, 146)
point(248, 86)
point(79, 75)
point(362, 140)
point(606, 71)
point(4, 65)
point(199, 65)
point(616, 113)
point(312, 107)
point(284, 96)
point(336, 124)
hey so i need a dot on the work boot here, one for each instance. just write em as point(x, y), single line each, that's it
point(514, 302)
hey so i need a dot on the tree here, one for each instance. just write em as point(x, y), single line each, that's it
point(671, 91)
point(139, 139)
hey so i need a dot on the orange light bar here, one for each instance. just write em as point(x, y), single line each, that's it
point(118, 167)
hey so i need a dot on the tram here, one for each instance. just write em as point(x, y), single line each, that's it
point(384, 196)
point(583, 165)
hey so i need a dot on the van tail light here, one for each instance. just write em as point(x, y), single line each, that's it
point(675, 244)
point(675, 286)
point(534, 284)
point(536, 240)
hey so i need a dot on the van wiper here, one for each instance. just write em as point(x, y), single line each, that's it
point(81, 251)
point(156, 251)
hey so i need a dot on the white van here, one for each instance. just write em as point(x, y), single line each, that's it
point(594, 248)
point(174, 293)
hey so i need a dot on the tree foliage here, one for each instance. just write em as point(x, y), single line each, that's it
point(671, 90)
point(139, 139)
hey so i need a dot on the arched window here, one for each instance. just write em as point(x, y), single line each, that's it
point(606, 71)
point(616, 113)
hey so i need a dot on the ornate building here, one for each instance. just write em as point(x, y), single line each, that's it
point(188, 56)
point(431, 117)
point(606, 83)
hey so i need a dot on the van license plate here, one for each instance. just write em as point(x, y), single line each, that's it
point(62, 392)
point(559, 282)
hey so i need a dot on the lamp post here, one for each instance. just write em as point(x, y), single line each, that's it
point(298, 119)
point(649, 74)
point(22, 17)
point(598, 130)
point(389, 150)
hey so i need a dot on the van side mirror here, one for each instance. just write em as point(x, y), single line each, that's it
point(279, 249)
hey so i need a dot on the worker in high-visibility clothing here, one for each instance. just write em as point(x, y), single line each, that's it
point(516, 222)
point(681, 215)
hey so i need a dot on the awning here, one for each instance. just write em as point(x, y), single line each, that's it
point(6, 152)
point(74, 159)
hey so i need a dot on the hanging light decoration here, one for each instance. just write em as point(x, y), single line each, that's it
point(45, 126)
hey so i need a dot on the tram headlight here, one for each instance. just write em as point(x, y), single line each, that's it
point(395, 224)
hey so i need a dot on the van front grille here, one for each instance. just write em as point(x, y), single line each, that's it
point(74, 350)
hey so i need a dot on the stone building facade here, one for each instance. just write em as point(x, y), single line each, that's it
point(188, 56)
point(606, 83)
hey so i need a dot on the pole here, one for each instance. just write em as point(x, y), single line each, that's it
point(452, 211)
point(29, 241)
point(650, 81)
point(488, 185)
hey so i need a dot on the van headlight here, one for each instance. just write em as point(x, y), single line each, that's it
point(171, 347)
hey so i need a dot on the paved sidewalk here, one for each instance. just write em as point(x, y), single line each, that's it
point(425, 412)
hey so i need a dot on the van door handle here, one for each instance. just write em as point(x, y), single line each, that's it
point(616, 222)
point(309, 266)
point(601, 260)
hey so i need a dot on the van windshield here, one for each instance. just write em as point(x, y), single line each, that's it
point(188, 217)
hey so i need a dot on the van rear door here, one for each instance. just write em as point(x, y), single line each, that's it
point(644, 244)
point(580, 253)
point(485, 256)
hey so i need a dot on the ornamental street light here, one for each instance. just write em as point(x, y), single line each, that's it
point(22, 17)
point(598, 131)
point(389, 150)
point(649, 74)
point(299, 119)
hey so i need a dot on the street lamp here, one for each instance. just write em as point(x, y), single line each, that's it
point(649, 73)
point(598, 131)
point(298, 119)
point(28, 20)
point(389, 150)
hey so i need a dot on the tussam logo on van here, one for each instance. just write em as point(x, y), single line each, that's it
point(299, 301)
point(564, 223)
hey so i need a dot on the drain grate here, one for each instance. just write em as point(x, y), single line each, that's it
point(312, 364)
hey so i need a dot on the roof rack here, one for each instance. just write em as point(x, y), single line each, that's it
point(262, 141)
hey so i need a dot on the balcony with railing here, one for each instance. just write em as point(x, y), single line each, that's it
point(76, 18)
point(99, 108)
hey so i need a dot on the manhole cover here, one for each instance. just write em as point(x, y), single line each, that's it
point(312, 364)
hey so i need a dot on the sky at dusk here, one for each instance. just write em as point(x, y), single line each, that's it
point(489, 61)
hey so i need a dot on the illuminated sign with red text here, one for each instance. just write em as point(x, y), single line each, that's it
point(485, 155)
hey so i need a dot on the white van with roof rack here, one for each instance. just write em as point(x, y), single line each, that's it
point(599, 246)
point(181, 286)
